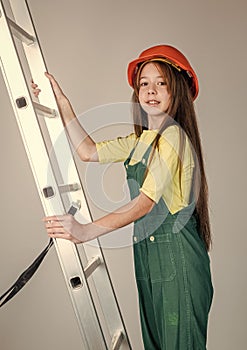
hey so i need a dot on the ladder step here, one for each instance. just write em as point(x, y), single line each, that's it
point(69, 188)
point(117, 340)
point(49, 112)
point(20, 33)
point(92, 266)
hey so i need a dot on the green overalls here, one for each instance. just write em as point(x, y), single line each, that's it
point(172, 271)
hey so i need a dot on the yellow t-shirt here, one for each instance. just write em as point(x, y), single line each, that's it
point(162, 179)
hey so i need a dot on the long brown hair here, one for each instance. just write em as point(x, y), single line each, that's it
point(181, 111)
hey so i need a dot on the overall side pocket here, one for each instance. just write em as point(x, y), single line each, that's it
point(161, 258)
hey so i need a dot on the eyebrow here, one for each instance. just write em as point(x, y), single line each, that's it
point(158, 76)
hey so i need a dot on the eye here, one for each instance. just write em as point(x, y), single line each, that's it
point(144, 83)
point(161, 83)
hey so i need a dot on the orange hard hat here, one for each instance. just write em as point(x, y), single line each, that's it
point(170, 55)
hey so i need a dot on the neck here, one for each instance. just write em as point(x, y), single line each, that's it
point(155, 122)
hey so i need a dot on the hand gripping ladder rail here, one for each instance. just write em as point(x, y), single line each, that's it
point(57, 179)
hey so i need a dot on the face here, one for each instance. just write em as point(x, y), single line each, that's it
point(153, 95)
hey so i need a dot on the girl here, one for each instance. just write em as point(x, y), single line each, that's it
point(169, 204)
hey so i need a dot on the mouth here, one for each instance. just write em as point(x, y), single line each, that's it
point(152, 103)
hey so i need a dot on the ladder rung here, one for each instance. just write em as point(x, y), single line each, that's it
point(92, 266)
point(51, 113)
point(20, 33)
point(117, 340)
point(69, 188)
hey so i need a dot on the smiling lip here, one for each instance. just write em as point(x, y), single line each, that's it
point(152, 103)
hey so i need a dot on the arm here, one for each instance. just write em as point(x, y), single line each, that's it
point(81, 141)
point(83, 144)
point(65, 226)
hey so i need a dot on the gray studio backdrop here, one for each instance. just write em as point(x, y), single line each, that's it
point(87, 45)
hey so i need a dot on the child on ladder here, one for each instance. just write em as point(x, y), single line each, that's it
point(169, 200)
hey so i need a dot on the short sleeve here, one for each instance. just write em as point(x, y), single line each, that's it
point(160, 176)
point(116, 150)
point(163, 177)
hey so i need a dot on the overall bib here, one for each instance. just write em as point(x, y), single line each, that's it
point(172, 270)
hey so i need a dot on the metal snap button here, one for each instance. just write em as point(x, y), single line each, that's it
point(151, 238)
point(143, 161)
point(135, 239)
point(126, 166)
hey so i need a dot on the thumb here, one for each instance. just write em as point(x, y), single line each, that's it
point(55, 86)
point(50, 77)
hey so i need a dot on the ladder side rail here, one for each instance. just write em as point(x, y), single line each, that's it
point(10, 66)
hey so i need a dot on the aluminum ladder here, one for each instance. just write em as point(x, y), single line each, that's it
point(57, 180)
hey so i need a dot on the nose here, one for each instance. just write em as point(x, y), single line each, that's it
point(151, 89)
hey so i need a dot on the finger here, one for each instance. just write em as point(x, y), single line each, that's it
point(64, 235)
point(56, 230)
point(36, 92)
point(53, 82)
point(57, 222)
point(63, 217)
point(50, 77)
point(54, 224)
point(53, 218)
point(59, 235)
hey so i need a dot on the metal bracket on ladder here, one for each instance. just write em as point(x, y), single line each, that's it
point(83, 266)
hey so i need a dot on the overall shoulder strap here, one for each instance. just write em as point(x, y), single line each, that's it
point(146, 154)
point(131, 153)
